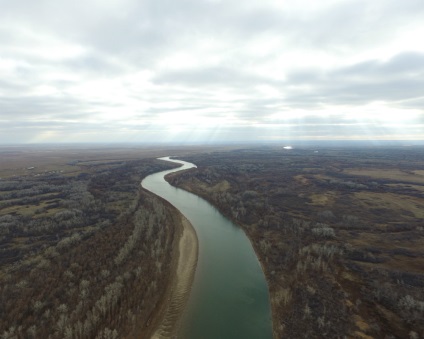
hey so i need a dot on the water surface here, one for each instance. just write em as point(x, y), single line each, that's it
point(229, 298)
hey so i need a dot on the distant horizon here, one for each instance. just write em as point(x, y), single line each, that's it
point(282, 143)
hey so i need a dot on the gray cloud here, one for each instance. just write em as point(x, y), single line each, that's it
point(400, 78)
point(94, 66)
point(407, 64)
point(33, 107)
point(213, 76)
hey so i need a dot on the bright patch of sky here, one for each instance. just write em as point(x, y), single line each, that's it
point(210, 70)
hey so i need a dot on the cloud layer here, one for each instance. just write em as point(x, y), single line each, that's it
point(210, 70)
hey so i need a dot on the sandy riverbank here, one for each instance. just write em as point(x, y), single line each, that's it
point(188, 249)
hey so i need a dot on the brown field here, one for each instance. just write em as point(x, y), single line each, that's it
point(402, 204)
point(415, 176)
point(71, 160)
point(323, 199)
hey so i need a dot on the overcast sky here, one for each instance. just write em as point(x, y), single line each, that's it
point(210, 70)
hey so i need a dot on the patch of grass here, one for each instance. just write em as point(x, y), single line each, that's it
point(390, 174)
point(325, 199)
point(400, 203)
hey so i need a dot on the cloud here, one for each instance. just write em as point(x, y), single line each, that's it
point(403, 64)
point(229, 69)
point(212, 76)
point(393, 81)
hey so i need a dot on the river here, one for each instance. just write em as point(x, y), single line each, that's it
point(229, 297)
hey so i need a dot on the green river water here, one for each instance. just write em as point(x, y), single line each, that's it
point(229, 297)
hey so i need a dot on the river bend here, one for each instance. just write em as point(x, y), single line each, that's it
point(229, 297)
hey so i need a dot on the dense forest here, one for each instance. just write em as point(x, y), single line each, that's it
point(339, 233)
point(84, 255)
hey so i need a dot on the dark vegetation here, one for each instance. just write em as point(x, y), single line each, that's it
point(339, 232)
point(84, 253)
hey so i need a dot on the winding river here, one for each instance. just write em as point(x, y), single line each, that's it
point(229, 297)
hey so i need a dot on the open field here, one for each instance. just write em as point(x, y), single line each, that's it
point(391, 174)
point(339, 232)
point(72, 160)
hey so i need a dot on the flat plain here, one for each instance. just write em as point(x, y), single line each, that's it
point(339, 233)
point(84, 251)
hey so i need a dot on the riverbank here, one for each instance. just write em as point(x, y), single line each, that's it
point(168, 319)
